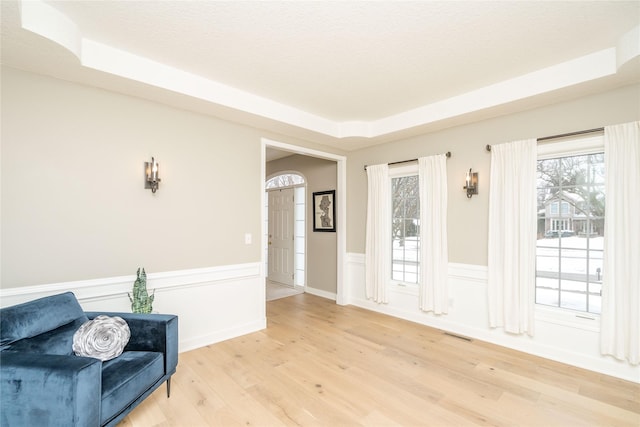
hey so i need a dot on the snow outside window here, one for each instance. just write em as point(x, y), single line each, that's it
point(405, 226)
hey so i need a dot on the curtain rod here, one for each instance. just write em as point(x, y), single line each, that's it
point(448, 154)
point(563, 135)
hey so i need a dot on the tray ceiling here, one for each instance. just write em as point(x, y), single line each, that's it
point(346, 74)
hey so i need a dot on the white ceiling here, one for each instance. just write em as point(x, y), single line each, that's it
point(343, 73)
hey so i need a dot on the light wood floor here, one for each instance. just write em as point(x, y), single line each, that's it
point(319, 364)
point(277, 290)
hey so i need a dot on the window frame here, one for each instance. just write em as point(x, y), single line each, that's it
point(284, 173)
point(563, 147)
point(401, 171)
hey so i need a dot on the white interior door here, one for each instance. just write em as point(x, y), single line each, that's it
point(281, 237)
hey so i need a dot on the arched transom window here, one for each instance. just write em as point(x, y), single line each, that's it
point(285, 180)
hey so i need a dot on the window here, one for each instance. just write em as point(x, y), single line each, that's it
point(571, 209)
point(405, 226)
point(284, 180)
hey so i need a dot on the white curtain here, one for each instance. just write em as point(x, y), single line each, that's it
point(434, 262)
point(378, 243)
point(620, 316)
point(512, 236)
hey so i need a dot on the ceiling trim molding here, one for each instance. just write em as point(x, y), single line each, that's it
point(43, 19)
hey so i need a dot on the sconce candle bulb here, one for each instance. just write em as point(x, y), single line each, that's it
point(154, 170)
point(471, 183)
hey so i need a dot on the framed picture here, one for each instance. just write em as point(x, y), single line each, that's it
point(324, 211)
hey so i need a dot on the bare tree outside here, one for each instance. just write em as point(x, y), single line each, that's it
point(284, 180)
point(405, 228)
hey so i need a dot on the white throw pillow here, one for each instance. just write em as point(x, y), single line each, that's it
point(102, 338)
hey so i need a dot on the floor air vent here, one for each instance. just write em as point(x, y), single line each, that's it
point(458, 336)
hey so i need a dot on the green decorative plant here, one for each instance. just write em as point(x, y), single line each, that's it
point(141, 302)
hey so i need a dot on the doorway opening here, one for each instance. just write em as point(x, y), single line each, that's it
point(273, 150)
point(285, 252)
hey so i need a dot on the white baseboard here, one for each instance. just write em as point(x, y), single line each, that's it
point(320, 293)
point(213, 304)
point(221, 335)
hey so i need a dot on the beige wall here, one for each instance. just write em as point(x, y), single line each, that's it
point(74, 206)
point(73, 202)
point(321, 175)
point(468, 218)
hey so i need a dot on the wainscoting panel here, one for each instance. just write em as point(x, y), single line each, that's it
point(561, 337)
point(213, 304)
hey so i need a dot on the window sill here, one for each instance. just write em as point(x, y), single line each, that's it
point(404, 288)
point(569, 318)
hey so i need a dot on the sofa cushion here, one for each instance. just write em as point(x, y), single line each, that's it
point(126, 378)
point(58, 341)
point(36, 317)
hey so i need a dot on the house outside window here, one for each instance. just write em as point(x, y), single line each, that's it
point(405, 226)
point(570, 242)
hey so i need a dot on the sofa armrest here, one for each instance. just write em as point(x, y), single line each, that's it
point(52, 390)
point(151, 332)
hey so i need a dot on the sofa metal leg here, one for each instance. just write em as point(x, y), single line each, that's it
point(169, 387)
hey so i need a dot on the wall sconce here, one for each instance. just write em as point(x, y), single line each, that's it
point(472, 183)
point(151, 172)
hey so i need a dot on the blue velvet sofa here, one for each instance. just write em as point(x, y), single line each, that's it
point(43, 383)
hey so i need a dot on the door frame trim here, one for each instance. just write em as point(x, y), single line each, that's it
point(341, 196)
